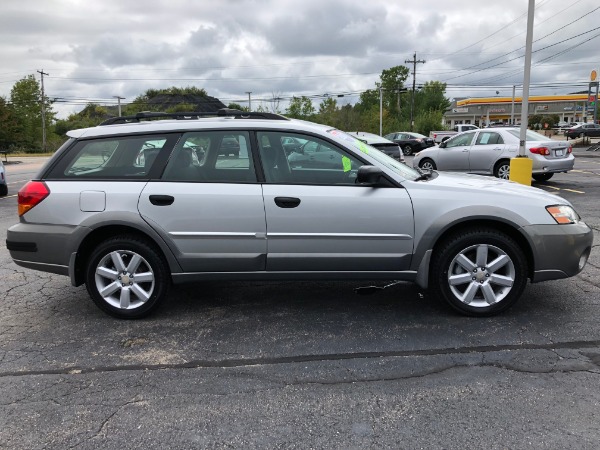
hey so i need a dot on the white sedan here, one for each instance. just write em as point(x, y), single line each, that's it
point(488, 151)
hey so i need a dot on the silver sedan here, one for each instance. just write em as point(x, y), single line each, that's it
point(488, 151)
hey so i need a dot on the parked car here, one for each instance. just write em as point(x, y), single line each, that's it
point(230, 147)
point(410, 142)
point(383, 144)
point(583, 130)
point(3, 184)
point(489, 150)
point(444, 135)
point(129, 231)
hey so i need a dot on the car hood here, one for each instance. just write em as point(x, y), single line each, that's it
point(466, 184)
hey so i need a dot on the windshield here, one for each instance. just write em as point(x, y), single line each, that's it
point(395, 166)
point(529, 136)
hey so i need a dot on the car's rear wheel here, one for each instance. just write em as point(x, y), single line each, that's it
point(427, 164)
point(407, 150)
point(127, 277)
point(542, 176)
point(3, 190)
point(479, 271)
point(502, 169)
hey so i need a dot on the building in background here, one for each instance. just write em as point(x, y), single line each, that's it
point(485, 110)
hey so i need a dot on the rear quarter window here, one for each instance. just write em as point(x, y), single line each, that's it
point(130, 157)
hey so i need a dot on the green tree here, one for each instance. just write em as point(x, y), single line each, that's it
point(9, 126)
point(328, 112)
point(392, 82)
point(432, 97)
point(428, 121)
point(300, 108)
point(90, 116)
point(26, 98)
point(237, 106)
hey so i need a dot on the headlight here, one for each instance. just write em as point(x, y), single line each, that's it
point(563, 214)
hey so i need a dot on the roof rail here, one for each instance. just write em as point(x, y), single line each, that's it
point(223, 112)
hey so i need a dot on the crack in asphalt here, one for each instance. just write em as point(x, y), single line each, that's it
point(271, 361)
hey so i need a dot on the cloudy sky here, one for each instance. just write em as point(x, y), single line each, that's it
point(95, 50)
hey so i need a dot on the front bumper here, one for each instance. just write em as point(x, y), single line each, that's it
point(559, 251)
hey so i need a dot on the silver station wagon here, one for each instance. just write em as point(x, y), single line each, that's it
point(134, 205)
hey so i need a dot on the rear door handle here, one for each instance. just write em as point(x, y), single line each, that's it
point(162, 200)
point(287, 202)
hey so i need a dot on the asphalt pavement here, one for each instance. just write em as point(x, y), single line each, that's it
point(303, 364)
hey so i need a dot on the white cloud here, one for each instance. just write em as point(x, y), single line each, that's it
point(95, 50)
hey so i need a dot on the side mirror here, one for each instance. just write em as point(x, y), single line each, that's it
point(369, 175)
point(443, 144)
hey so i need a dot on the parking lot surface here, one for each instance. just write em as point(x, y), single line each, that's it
point(304, 364)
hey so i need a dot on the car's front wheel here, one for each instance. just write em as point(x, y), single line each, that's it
point(542, 176)
point(502, 169)
point(479, 271)
point(3, 190)
point(127, 277)
point(427, 164)
point(407, 150)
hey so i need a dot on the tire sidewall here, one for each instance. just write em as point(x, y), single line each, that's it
point(498, 166)
point(152, 257)
point(425, 161)
point(459, 242)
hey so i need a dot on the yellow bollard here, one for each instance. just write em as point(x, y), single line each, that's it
point(521, 168)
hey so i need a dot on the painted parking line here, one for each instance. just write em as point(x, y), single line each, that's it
point(557, 189)
point(8, 196)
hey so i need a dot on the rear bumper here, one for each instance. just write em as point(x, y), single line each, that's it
point(47, 248)
point(553, 165)
point(559, 251)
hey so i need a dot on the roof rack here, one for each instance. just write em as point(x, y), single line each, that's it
point(223, 112)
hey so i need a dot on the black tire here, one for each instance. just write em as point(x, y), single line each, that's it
point(427, 164)
point(542, 176)
point(3, 190)
point(502, 169)
point(581, 135)
point(407, 150)
point(142, 297)
point(501, 262)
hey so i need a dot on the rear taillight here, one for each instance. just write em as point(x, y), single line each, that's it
point(540, 150)
point(570, 150)
point(31, 194)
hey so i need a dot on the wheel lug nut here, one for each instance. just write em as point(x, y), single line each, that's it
point(487, 274)
point(474, 278)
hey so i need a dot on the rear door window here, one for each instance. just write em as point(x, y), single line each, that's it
point(212, 157)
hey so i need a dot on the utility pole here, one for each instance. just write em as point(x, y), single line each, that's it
point(249, 101)
point(414, 62)
point(42, 73)
point(119, 102)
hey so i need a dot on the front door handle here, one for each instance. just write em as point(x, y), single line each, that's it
point(287, 202)
point(162, 200)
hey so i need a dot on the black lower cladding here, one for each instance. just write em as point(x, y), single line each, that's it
point(21, 246)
